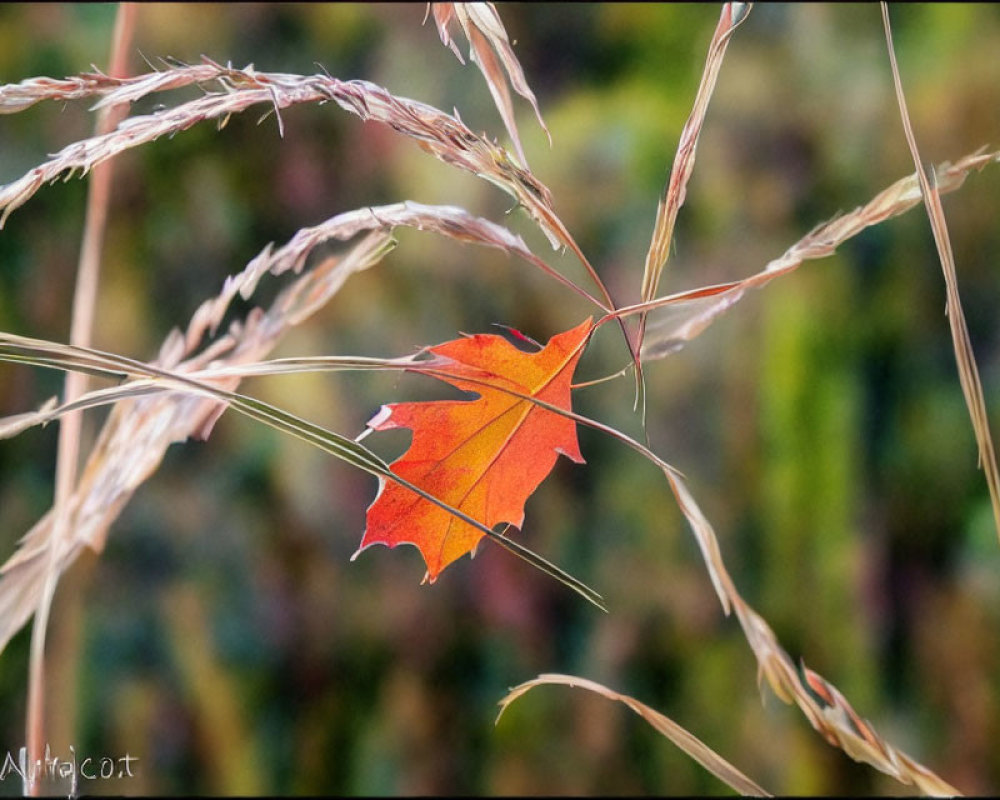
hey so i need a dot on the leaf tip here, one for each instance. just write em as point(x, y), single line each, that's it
point(381, 417)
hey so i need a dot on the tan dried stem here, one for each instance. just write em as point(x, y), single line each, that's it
point(834, 717)
point(68, 452)
point(968, 372)
point(440, 134)
point(490, 49)
point(16, 97)
point(680, 317)
point(450, 221)
point(685, 740)
point(732, 16)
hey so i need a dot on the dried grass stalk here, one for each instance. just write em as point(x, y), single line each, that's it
point(490, 49)
point(71, 426)
point(676, 319)
point(836, 720)
point(438, 133)
point(15, 97)
point(450, 221)
point(686, 741)
point(732, 16)
point(138, 432)
point(968, 372)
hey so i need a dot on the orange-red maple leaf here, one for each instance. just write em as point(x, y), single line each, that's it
point(484, 457)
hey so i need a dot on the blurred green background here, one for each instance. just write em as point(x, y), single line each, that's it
point(225, 639)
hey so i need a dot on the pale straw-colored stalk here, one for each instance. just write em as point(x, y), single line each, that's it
point(491, 50)
point(733, 14)
point(68, 452)
point(968, 372)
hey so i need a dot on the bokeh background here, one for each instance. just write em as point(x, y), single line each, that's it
point(225, 639)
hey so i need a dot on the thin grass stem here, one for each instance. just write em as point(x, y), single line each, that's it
point(70, 429)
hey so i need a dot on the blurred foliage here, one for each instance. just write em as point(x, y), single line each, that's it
point(225, 638)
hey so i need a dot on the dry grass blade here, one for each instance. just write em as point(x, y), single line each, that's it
point(673, 198)
point(686, 741)
point(71, 427)
point(836, 720)
point(450, 221)
point(138, 432)
point(968, 372)
point(15, 97)
point(18, 423)
point(440, 134)
point(40, 353)
point(679, 322)
point(490, 49)
point(444, 13)
point(678, 318)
